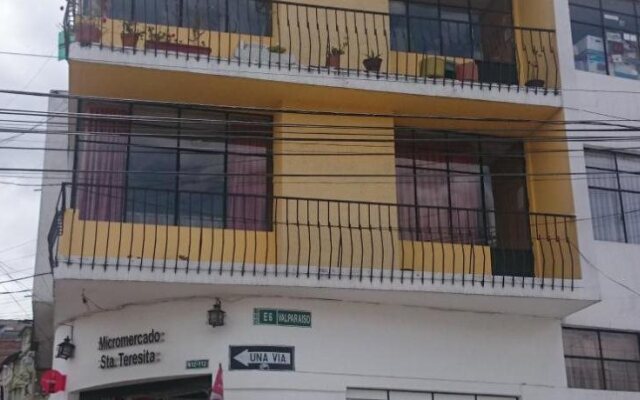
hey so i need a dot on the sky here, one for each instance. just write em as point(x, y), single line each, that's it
point(26, 26)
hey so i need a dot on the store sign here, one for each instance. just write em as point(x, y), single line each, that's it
point(263, 358)
point(197, 364)
point(296, 319)
point(128, 359)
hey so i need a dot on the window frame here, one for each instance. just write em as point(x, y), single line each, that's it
point(601, 359)
point(183, 19)
point(483, 173)
point(604, 28)
point(174, 219)
point(619, 190)
point(474, 36)
point(430, 395)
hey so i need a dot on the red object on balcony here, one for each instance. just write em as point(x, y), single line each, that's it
point(176, 47)
point(53, 381)
point(87, 33)
point(467, 71)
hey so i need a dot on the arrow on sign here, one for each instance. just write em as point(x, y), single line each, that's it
point(247, 358)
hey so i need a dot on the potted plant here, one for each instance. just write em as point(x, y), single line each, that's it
point(334, 55)
point(277, 49)
point(130, 34)
point(373, 62)
point(89, 30)
point(534, 80)
point(195, 36)
point(161, 41)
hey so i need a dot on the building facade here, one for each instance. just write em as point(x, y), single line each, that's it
point(10, 336)
point(18, 376)
point(384, 199)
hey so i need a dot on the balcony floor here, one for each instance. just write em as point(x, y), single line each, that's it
point(144, 285)
point(444, 88)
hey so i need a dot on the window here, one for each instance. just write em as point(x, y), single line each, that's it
point(603, 360)
point(179, 166)
point(458, 28)
point(465, 189)
point(614, 194)
point(252, 17)
point(379, 394)
point(605, 36)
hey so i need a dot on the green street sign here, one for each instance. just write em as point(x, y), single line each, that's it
point(197, 364)
point(295, 319)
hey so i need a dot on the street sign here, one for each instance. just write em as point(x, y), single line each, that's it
point(265, 358)
point(197, 364)
point(296, 319)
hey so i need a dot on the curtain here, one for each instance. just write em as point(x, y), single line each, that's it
point(101, 164)
point(439, 190)
point(247, 176)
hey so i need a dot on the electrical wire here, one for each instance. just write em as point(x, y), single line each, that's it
point(294, 110)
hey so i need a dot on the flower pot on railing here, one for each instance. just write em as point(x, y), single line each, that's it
point(130, 34)
point(130, 39)
point(373, 63)
point(173, 47)
point(535, 83)
point(334, 55)
point(333, 61)
point(87, 33)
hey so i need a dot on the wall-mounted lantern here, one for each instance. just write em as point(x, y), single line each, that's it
point(66, 349)
point(216, 315)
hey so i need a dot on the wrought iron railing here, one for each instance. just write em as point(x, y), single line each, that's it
point(310, 39)
point(211, 233)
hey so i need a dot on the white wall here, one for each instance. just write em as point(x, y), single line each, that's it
point(349, 345)
point(590, 96)
point(43, 302)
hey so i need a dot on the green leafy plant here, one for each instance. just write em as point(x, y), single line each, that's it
point(130, 28)
point(340, 50)
point(372, 55)
point(196, 32)
point(156, 36)
point(277, 49)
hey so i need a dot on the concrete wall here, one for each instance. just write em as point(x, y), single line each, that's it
point(348, 345)
point(43, 301)
point(590, 96)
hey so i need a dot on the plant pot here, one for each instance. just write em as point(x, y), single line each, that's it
point(535, 83)
point(372, 64)
point(130, 39)
point(176, 47)
point(333, 60)
point(87, 34)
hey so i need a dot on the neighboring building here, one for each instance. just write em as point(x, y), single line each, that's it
point(10, 336)
point(18, 377)
point(381, 194)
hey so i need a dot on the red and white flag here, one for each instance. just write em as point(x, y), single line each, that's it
point(217, 391)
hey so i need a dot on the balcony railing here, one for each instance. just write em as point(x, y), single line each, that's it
point(309, 39)
point(319, 239)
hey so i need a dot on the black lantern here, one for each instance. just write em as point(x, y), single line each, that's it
point(216, 315)
point(66, 349)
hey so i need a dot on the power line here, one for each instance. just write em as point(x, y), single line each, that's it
point(22, 54)
point(16, 292)
point(293, 110)
point(7, 249)
point(25, 277)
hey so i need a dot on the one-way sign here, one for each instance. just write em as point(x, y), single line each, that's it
point(266, 358)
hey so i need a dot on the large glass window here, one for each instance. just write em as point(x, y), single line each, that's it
point(458, 28)
point(381, 394)
point(603, 360)
point(465, 189)
point(605, 36)
point(174, 166)
point(238, 16)
point(614, 194)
